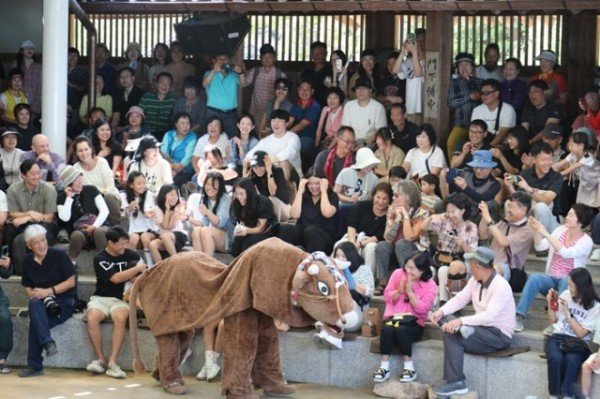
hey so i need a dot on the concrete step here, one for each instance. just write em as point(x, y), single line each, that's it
point(303, 361)
point(533, 264)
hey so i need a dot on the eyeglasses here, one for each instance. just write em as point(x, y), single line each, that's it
point(282, 88)
point(487, 93)
point(348, 142)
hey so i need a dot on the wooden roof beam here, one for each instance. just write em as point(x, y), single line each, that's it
point(343, 6)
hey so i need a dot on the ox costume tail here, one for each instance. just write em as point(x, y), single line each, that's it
point(138, 364)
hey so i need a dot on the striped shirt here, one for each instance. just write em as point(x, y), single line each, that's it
point(158, 112)
point(578, 252)
point(264, 89)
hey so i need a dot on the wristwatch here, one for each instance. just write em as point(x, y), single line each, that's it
point(271, 176)
point(490, 223)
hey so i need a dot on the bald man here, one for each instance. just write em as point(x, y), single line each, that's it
point(50, 162)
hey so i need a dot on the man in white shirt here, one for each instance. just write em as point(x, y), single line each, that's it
point(282, 146)
point(499, 116)
point(490, 69)
point(364, 114)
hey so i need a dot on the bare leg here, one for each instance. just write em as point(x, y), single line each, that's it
point(94, 318)
point(119, 317)
point(196, 239)
point(155, 247)
point(168, 241)
point(134, 240)
point(209, 336)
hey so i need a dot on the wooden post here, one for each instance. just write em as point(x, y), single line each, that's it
point(380, 31)
point(439, 43)
point(579, 51)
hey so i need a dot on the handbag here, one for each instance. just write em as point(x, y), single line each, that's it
point(401, 319)
point(87, 219)
point(573, 345)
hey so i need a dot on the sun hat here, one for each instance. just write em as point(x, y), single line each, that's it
point(365, 158)
point(482, 159)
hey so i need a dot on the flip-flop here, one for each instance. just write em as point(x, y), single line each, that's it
point(4, 368)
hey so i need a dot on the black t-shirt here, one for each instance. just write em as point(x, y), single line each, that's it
point(262, 209)
point(106, 265)
point(512, 158)
point(318, 80)
point(391, 85)
point(551, 181)
point(311, 214)
point(262, 185)
point(122, 106)
point(83, 203)
point(537, 117)
point(55, 268)
point(363, 219)
point(115, 150)
point(407, 138)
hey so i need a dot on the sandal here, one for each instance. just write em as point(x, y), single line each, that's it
point(4, 368)
point(408, 375)
point(381, 375)
point(379, 290)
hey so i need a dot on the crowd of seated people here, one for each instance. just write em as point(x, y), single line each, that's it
point(342, 164)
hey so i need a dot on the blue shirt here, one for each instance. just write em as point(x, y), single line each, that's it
point(234, 157)
point(311, 113)
point(221, 93)
point(180, 151)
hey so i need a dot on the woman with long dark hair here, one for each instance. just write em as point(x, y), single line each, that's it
point(368, 68)
point(510, 156)
point(138, 205)
point(270, 182)
point(315, 210)
point(103, 100)
point(408, 298)
point(169, 214)
point(105, 145)
point(209, 216)
point(244, 140)
point(253, 216)
point(573, 314)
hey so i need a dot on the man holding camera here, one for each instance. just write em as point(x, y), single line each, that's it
point(49, 281)
point(221, 84)
point(543, 183)
point(477, 183)
point(114, 266)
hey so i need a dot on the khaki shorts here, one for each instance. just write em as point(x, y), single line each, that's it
point(589, 362)
point(106, 305)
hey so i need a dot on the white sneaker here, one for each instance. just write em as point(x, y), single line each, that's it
point(96, 367)
point(202, 374)
point(595, 254)
point(212, 365)
point(115, 371)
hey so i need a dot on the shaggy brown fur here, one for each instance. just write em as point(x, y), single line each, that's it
point(191, 290)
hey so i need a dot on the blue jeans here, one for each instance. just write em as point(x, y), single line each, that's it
point(539, 283)
point(563, 368)
point(543, 213)
point(6, 328)
point(596, 230)
point(40, 323)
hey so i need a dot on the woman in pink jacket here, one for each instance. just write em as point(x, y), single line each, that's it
point(408, 297)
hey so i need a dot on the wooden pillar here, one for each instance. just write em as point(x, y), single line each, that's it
point(438, 72)
point(579, 51)
point(380, 30)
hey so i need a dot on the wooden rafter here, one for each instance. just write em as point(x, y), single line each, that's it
point(343, 6)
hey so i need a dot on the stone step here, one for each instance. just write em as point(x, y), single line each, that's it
point(303, 361)
point(533, 264)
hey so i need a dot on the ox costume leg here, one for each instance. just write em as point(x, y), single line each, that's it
point(251, 351)
point(171, 350)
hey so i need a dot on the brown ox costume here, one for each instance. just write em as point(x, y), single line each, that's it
point(271, 280)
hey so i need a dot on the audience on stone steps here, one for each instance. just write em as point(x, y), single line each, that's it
point(545, 178)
